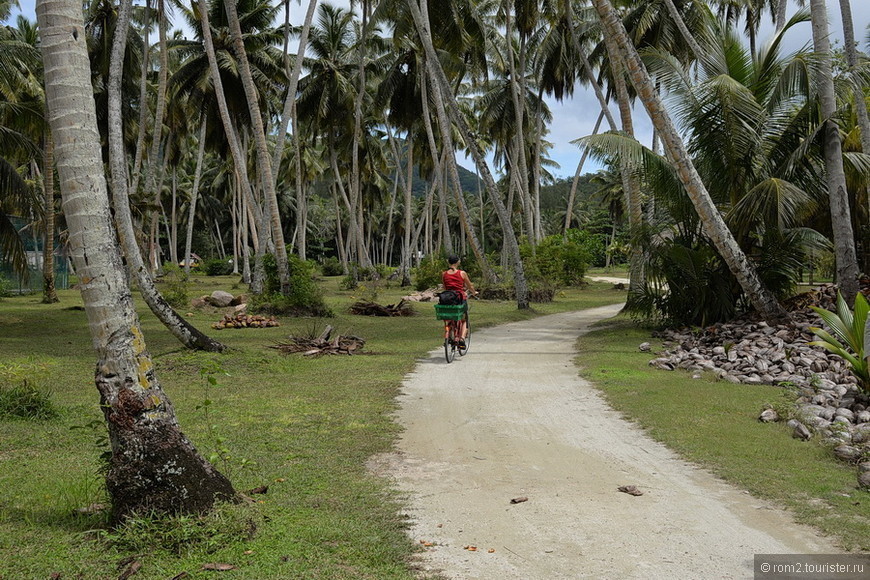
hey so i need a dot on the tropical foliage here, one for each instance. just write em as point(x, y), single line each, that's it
point(366, 174)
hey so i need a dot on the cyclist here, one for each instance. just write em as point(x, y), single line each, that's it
point(457, 280)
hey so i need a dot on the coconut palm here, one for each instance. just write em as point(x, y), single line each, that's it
point(713, 224)
point(153, 468)
point(841, 220)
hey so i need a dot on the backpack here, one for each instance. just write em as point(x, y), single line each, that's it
point(449, 297)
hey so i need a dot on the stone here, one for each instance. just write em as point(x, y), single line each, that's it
point(644, 347)
point(220, 298)
point(768, 416)
point(799, 430)
point(845, 413)
point(863, 417)
point(847, 453)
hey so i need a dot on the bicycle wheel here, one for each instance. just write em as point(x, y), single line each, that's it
point(464, 349)
point(450, 345)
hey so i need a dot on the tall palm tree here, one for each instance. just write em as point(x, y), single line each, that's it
point(443, 86)
point(714, 226)
point(264, 161)
point(185, 332)
point(841, 219)
point(153, 468)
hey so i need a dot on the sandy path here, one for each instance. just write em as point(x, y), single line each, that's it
point(513, 419)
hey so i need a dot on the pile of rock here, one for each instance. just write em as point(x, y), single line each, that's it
point(830, 402)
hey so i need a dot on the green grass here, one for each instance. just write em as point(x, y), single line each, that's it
point(304, 427)
point(714, 424)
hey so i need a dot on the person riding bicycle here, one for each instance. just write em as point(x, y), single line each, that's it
point(457, 280)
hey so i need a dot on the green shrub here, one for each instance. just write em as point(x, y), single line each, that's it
point(428, 273)
point(331, 266)
point(26, 402)
point(5, 286)
point(217, 267)
point(304, 298)
point(176, 289)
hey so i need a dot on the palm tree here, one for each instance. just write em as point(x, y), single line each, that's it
point(189, 335)
point(841, 219)
point(439, 80)
point(264, 162)
point(714, 226)
point(153, 468)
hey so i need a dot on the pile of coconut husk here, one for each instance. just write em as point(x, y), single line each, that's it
point(830, 402)
point(245, 321)
point(365, 308)
point(321, 345)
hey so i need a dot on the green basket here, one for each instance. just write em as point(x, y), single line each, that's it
point(449, 311)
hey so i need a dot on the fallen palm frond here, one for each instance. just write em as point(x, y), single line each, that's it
point(321, 345)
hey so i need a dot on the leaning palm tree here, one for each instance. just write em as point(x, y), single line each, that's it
point(713, 224)
point(189, 335)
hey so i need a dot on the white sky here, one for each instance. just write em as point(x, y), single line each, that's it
point(576, 117)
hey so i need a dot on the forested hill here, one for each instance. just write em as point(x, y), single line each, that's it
point(553, 196)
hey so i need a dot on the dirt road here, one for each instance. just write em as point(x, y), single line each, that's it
point(512, 419)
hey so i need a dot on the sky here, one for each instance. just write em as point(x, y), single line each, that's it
point(575, 117)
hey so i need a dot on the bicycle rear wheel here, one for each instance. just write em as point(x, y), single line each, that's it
point(450, 345)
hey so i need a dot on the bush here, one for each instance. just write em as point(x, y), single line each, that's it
point(217, 267)
point(176, 286)
point(557, 261)
point(5, 286)
point(331, 266)
point(304, 299)
point(428, 273)
point(26, 402)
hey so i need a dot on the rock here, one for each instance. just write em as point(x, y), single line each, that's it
point(863, 417)
point(238, 300)
point(847, 453)
point(799, 430)
point(768, 416)
point(864, 480)
point(845, 413)
point(861, 433)
point(644, 347)
point(199, 302)
point(220, 298)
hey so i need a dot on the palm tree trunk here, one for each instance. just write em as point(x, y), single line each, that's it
point(711, 220)
point(154, 467)
point(629, 179)
point(852, 61)
point(194, 195)
point(519, 134)
point(290, 100)
point(49, 294)
point(838, 196)
point(511, 246)
point(681, 26)
point(143, 99)
point(264, 163)
point(569, 207)
point(185, 332)
point(239, 159)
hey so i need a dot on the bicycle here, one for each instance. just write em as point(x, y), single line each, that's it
point(452, 315)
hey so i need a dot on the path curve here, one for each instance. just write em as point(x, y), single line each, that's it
point(513, 419)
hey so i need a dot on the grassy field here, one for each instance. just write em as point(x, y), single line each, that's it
point(304, 427)
point(714, 424)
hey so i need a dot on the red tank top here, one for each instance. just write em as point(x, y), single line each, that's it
point(454, 282)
